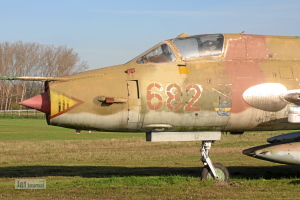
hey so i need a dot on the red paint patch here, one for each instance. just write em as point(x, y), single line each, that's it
point(244, 56)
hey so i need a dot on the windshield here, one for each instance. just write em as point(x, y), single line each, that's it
point(161, 54)
point(200, 45)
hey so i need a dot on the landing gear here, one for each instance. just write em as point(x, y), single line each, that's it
point(212, 170)
point(222, 172)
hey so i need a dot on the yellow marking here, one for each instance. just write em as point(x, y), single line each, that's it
point(60, 103)
point(223, 109)
point(183, 70)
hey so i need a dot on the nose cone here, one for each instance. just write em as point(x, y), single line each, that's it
point(39, 102)
point(286, 153)
point(259, 151)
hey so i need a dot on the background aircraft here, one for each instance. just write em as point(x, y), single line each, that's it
point(189, 88)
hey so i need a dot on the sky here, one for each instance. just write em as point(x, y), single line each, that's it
point(106, 33)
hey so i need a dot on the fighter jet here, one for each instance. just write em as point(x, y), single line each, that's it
point(189, 88)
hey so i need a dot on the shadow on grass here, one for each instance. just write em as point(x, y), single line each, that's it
point(266, 172)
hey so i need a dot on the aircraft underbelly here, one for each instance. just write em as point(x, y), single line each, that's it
point(90, 121)
point(193, 121)
point(253, 119)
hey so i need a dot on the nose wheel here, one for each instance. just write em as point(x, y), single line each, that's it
point(221, 171)
point(211, 170)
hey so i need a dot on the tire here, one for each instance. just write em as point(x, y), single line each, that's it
point(221, 171)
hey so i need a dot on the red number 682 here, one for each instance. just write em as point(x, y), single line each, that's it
point(174, 100)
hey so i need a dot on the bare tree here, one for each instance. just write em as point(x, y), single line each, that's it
point(33, 59)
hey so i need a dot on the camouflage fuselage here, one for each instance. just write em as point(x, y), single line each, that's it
point(210, 92)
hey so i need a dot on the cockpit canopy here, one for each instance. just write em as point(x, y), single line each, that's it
point(189, 47)
point(200, 45)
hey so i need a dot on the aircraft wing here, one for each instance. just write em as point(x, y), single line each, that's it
point(26, 78)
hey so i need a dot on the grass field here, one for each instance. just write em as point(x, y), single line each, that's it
point(124, 166)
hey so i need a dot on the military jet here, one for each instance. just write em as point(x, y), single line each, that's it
point(189, 88)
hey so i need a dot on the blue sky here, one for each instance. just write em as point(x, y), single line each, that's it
point(106, 33)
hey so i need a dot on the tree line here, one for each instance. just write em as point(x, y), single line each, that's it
point(33, 59)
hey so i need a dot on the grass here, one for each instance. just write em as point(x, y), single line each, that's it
point(102, 165)
point(37, 129)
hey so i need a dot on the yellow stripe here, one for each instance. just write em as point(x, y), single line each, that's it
point(223, 109)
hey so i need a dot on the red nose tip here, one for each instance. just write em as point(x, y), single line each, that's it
point(39, 102)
